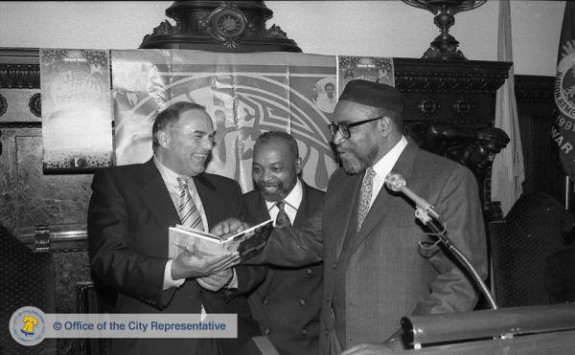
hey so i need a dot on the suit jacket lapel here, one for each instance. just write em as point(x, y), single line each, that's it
point(261, 209)
point(205, 190)
point(302, 211)
point(156, 196)
point(343, 217)
point(378, 211)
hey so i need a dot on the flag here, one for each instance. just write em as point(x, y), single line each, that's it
point(508, 171)
point(563, 130)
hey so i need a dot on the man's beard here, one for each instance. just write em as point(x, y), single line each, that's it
point(280, 193)
point(356, 164)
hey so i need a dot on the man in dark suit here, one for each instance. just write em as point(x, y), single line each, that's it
point(380, 263)
point(287, 303)
point(129, 214)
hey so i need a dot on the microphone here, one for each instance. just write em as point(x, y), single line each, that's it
point(396, 182)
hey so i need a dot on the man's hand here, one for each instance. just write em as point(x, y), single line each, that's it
point(216, 281)
point(229, 226)
point(190, 265)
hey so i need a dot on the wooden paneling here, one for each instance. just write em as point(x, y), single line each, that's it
point(535, 108)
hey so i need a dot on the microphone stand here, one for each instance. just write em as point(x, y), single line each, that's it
point(439, 230)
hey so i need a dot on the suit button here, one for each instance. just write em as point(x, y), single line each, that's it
point(309, 271)
point(304, 332)
point(265, 301)
point(302, 302)
point(334, 265)
point(328, 298)
point(267, 331)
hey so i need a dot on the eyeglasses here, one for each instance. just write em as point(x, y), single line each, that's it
point(343, 127)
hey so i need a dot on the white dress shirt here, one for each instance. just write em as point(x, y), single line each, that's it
point(384, 167)
point(292, 202)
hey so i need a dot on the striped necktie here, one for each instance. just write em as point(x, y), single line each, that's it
point(365, 196)
point(189, 214)
point(282, 219)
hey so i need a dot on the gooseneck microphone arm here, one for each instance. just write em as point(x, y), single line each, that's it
point(428, 216)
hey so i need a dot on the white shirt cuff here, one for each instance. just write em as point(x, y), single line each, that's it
point(234, 281)
point(168, 281)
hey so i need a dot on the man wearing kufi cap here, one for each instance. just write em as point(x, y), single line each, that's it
point(380, 263)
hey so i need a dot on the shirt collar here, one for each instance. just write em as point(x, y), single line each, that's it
point(386, 164)
point(293, 199)
point(169, 176)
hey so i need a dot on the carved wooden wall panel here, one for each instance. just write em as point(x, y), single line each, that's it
point(31, 198)
point(535, 106)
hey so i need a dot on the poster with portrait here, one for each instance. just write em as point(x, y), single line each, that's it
point(376, 69)
point(245, 94)
point(76, 110)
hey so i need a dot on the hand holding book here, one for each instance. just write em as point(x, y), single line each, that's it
point(189, 263)
point(247, 243)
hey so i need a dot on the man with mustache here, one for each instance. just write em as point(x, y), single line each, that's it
point(380, 262)
point(287, 301)
point(130, 211)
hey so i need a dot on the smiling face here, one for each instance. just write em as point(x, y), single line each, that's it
point(275, 169)
point(186, 144)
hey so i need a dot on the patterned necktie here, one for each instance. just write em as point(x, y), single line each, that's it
point(282, 219)
point(365, 196)
point(189, 214)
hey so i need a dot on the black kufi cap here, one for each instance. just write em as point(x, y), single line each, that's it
point(373, 94)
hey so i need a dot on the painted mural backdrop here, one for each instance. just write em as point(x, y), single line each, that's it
point(245, 94)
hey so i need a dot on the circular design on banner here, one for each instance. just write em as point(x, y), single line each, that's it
point(27, 326)
point(565, 86)
point(227, 23)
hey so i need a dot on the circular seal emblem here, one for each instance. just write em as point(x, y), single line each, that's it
point(565, 85)
point(27, 326)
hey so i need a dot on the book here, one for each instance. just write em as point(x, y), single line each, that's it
point(247, 243)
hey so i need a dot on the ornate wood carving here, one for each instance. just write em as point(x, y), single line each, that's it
point(450, 110)
point(219, 26)
point(19, 76)
point(35, 105)
point(3, 105)
point(19, 68)
point(534, 89)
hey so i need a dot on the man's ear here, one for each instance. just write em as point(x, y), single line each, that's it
point(298, 166)
point(164, 139)
point(385, 126)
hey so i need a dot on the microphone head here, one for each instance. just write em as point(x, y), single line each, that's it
point(394, 182)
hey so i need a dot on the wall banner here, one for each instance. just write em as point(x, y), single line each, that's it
point(76, 109)
point(245, 94)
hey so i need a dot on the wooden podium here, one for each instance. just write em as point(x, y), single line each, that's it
point(518, 330)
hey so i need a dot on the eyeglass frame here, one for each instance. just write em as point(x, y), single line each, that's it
point(343, 127)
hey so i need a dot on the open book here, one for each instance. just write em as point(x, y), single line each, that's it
point(248, 243)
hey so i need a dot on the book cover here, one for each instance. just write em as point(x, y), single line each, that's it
point(247, 243)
